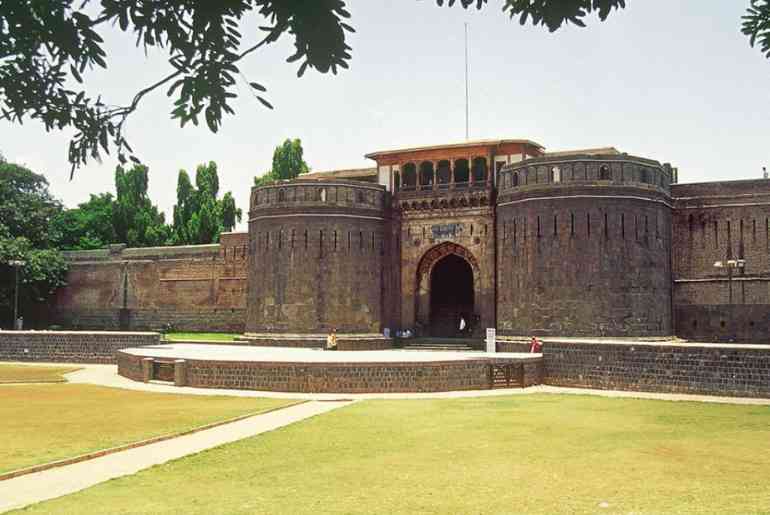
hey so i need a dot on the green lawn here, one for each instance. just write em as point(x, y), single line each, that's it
point(43, 423)
point(520, 454)
point(220, 337)
point(33, 374)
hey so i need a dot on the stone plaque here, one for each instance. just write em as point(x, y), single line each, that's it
point(440, 231)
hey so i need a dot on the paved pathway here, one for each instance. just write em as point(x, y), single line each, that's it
point(41, 486)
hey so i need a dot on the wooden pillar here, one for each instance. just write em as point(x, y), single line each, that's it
point(435, 175)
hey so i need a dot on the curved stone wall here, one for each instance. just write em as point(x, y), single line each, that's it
point(316, 255)
point(584, 250)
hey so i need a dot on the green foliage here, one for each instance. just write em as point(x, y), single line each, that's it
point(89, 226)
point(47, 47)
point(756, 25)
point(136, 221)
point(26, 206)
point(43, 271)
point(199, 217)
point(26, 211)
point(288, 163)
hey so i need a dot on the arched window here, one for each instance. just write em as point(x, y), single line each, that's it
point(644, 175)
point(426, 173)
point(322, 194)
point(360, 197)
point(443, 173)
point(281, 195)
point(555, 174)
point(515, 179)
point(604, 173)
point(462, 173)
point(479, 169)
point(396, 181)
point(409, 172)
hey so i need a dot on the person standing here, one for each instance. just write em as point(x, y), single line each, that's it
point(535, 345)
point(331, 340)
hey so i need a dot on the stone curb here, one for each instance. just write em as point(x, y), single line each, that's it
point(112, 450)
point(33, 381)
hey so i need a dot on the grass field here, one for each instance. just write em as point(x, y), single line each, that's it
point(219, 337)
point(33, 374)
point(43, 423)
point(539, 454)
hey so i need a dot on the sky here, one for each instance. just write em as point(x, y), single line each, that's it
point(671, 80)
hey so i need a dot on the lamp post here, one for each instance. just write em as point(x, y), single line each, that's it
point(16, 264)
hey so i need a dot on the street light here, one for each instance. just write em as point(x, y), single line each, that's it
point(16, 264)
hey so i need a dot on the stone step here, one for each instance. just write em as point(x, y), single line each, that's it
point(427, 347)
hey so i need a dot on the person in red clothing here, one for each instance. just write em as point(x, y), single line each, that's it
point(535, 346)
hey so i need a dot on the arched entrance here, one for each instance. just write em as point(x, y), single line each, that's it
point(448, 282)
point(451, 297)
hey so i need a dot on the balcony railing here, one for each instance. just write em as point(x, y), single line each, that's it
point(428, 190)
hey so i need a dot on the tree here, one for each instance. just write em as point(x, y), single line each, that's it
point(26, 210)
point(137, 222)
point(26, 205)
point(288, 163)
point(46, 48)
point(199, 217)
point(88, 226)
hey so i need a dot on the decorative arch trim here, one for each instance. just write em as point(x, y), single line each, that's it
point(440, 251)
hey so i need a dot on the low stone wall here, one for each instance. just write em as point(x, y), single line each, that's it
point(710, 369)
point(366, 377)
point(318, 341)
point(69, 346)
point(512, 345)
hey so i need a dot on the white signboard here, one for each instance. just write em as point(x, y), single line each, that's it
point(491, 342)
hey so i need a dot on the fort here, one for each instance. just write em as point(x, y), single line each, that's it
point(493, 233)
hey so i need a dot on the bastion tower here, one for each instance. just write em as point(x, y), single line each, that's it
point(317, 250)
point(584, 245)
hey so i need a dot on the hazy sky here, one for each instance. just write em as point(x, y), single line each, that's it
point(672, 80)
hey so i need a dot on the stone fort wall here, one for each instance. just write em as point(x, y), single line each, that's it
point(318, 256)
point(192, 288)
point(593, 245)
point(721, 221)
point(584, 247)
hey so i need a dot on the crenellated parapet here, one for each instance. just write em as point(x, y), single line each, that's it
point(588, 171)
point(334, 196)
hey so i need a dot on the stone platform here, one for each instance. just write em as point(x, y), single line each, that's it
point(317, 371)
point(345, 342)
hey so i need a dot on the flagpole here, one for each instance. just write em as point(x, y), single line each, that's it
point(466, 82)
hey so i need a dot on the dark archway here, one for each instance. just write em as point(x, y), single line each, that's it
point(451, 296)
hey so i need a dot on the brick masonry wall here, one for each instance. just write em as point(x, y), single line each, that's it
point(710, 369)
point(194, 288)
point(69, 347)
point(338, 377)
point(719, 221)
point(584, 256)
point(317, 260)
